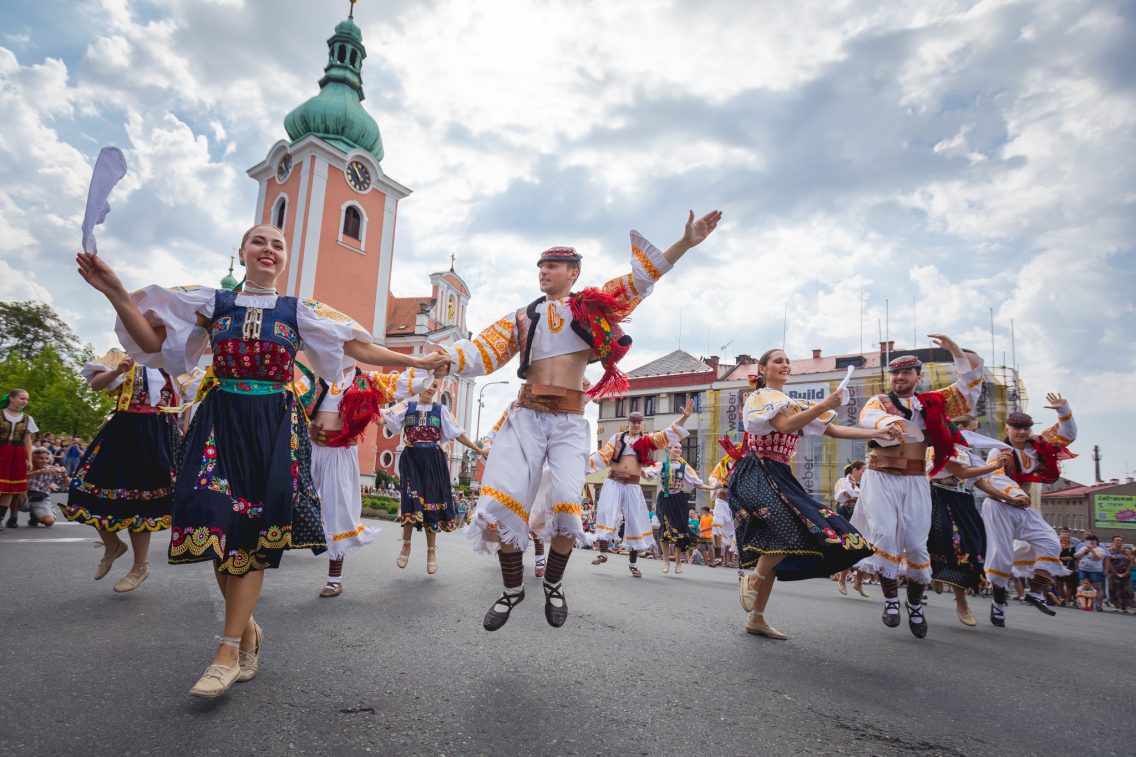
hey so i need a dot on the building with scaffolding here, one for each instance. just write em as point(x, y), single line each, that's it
point(720, 392)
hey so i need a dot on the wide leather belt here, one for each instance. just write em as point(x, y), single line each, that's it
point(897, 466)
point(623, 478)
point(544, 398)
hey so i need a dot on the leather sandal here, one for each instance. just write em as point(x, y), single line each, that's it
point(494, 619)
point(761, 628)
point(891, 619)
point(331, 590)
point(860, 590)
point(966, 616)
point(601, 558)
point(635, 571)
point(108, 559)
point(1039, 604)
point(842, 588)
point(997, 616)
point(678, 567)
point(218, 679)
point(918, 630)
point(431, 560)
point(404, 554)
point(555, 614)
point(133, 579)
point(666, 566)
point(250, 661)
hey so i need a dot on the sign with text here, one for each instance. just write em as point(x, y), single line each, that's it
point(1115, 511)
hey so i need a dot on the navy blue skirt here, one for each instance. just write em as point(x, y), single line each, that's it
point(774, 515)
point(427, 499)
point(673, 512)
point(244, 490)
point(125, 478)
point(957, 541)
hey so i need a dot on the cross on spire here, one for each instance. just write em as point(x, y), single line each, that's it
point(452, 257)
point(351, 10)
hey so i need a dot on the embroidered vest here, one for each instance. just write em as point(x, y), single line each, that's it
point(133, 394)
point(529, 317)
point(422, 428)
point(251, 342)
point(6, 429)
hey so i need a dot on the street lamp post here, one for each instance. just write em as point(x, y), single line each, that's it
point(481, 404)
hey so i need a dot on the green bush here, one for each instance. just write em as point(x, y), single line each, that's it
point(376, 502)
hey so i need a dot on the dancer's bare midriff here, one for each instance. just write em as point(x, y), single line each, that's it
point(906, 451)
point(566, 371)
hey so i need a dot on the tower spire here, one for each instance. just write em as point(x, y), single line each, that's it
point(351, 10)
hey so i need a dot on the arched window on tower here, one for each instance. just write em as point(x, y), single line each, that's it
point(354, 58)
point(353, 226)
point(352, 223)
point(340, 54)
point(279, 212)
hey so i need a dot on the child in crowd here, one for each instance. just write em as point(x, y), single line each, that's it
point(1086, 595)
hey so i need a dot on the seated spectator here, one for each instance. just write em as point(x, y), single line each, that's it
point(43, 479)
point(1086, 596)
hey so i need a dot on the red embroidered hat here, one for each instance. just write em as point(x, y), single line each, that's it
point(636, 416)
point(1019, 420)
point(560, 254)
point(904, 361)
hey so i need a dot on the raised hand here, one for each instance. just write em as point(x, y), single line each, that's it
point(697, 231)
point(1056, 401)
point(833, 400)
point(98, 274)
point(125, 365)
point(945, 342)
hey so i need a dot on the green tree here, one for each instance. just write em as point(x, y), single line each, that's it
point(27, 327)
point(61, 401)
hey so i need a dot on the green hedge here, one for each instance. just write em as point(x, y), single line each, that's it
point(375, 506)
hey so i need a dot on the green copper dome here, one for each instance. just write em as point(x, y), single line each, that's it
point(229, 282)
point(335, 114)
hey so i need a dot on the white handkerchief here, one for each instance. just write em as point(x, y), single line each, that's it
point(844, 385)
point(110, 167)
point(978, 441)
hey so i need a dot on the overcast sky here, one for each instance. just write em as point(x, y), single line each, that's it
point(972, 155)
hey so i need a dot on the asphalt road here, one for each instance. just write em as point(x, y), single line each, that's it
point(399, 664)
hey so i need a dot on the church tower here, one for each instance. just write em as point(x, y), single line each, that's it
point(326, 190)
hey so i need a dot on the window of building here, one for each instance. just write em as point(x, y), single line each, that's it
point(354, 57)
point(634, 404)
point(352, 223)
point(605, 408)
point(341, 54)
point(690, 450)
point(649, 405)
point(620, 407)
point(279, 212)
point(679, 401)
point(386, 459)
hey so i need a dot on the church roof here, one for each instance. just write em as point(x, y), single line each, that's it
point(402, 312)
point(335, 114)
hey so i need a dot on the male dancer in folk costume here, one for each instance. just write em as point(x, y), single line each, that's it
point(557, 336)
point(340, 410)
point(621, 498)
point(1008, 516)
point(894, 509)
point(677, 478)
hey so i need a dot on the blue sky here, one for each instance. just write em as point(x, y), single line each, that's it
point(973, 155)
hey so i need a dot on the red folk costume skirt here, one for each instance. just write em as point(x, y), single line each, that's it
point(13, 468)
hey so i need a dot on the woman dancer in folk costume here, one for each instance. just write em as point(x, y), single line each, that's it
point(677, 478)
point(1008, 516)
point(243, 492)
point(17, 438)
point(621, 498)
point(340, 411)
point(125, 479)
point(782, 531)
point(556, 336)
point(426, 497)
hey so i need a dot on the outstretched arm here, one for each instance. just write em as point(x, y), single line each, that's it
point(103, 379)
point(373, 354)
point(466, 441)
point(1064, 432)
point(98, 274)
point(693, 235)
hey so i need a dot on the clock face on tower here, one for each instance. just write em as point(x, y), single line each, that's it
point(284, 169)
point(358, 176)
